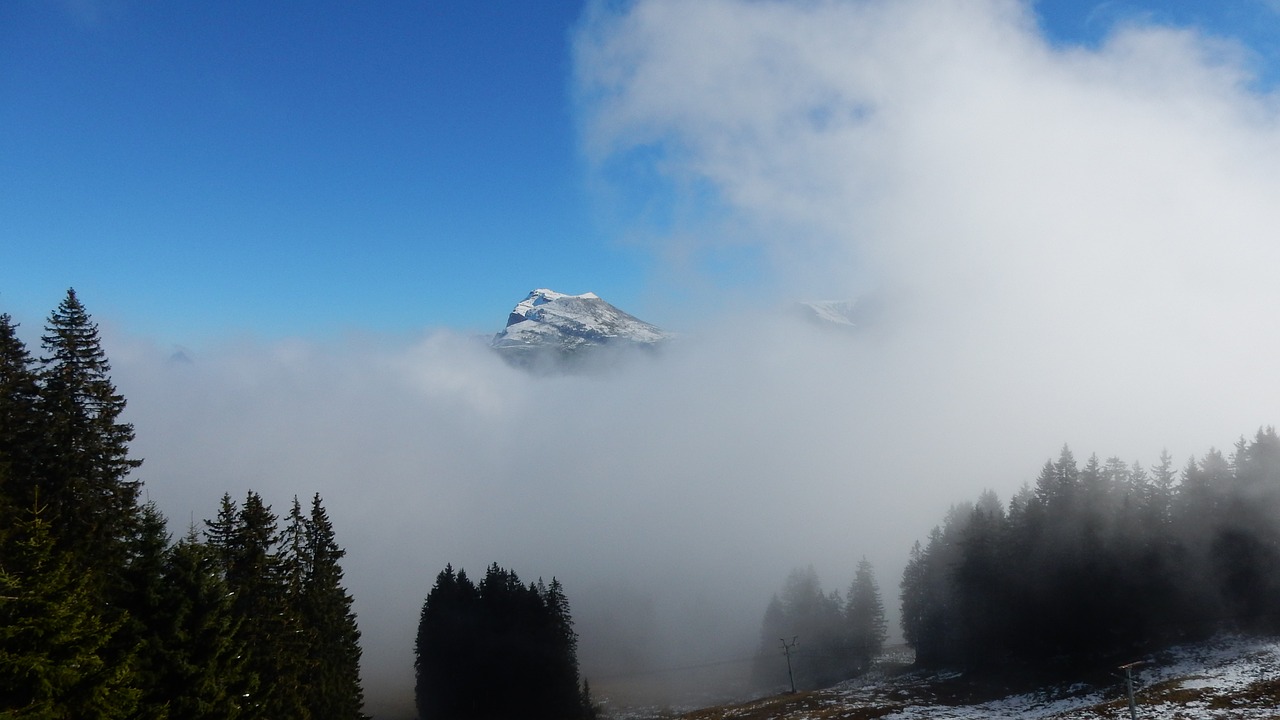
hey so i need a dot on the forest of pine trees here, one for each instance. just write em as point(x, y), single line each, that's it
point(498, 649)
point(102, 615)
point(832, 639)
point(1101, 561)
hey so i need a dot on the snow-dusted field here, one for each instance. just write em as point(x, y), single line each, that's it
point(1229, 677)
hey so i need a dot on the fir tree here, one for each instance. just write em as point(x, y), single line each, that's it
point(92, 501)
point(143, 593)
point(294, 640)
point(589, 710)
point(252, 572)
point(865, 615)
point(445, 653)
point(561, 647)
point(203, 672)
point(333, 678)
point(20, 422)
point(53, 640)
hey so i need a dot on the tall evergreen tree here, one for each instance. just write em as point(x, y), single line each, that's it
point(561, 649)
point(294, 640)
point(92, 499)
point(20, 422)
point(864, 613)
point(203, 672)
point(446, 685)
point(768, 672)
point(325, 607)
point(253, 575)
point(142, 600)
point(53, 640)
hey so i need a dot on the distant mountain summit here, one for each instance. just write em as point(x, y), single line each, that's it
point(551, 330)
point(845, 315)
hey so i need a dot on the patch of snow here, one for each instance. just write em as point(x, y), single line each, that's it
point(1217, 674)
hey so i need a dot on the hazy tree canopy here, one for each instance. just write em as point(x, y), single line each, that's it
point(828, 639)
point(1104, 560)
point(864, 614)
point(500, 649)
point(101, 616)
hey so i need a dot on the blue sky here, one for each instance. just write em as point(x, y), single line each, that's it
point(199, 170)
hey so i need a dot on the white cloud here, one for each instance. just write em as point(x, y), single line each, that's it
point(1060, 222)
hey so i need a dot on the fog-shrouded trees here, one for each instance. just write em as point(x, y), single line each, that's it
point(826, 639)
point(101, 614)
point(864, 618)
point(1101, 560)
point(497, 649)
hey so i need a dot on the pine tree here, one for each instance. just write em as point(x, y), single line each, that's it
point(203, 673)
point(1163, 479)
point(333, 678)
point(143, 593)
point(294, 639)
point(53, 640)
point(865, 615)
point(220, 532)
point(20, 422)
point(912, 590)
point(446, 652)
point(92, 501)
point(562, 652)
point(768, 672)
point(589, 710)
point(253, 575)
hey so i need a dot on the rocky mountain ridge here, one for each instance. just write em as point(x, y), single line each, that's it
point(553, 330)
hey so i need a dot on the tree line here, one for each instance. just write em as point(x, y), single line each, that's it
point(824, 639)
point(102, 614)
point(498, 649)
point(1101, 561)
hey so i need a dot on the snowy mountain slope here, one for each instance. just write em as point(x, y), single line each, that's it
point(1229, 677)
point(552, 326)
point(865, 313)
point(841, 313)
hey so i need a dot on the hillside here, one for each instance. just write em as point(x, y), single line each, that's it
point(1229, 677)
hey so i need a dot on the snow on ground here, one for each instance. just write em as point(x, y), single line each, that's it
point(1229, 677)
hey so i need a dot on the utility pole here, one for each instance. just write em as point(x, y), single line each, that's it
point(1128, 681)
point(786, 649)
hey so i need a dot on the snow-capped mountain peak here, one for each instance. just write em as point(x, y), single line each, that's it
point(553, 324)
